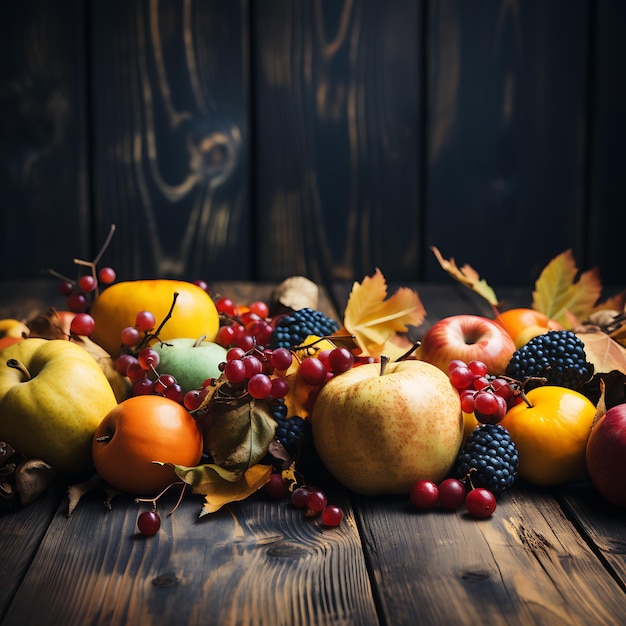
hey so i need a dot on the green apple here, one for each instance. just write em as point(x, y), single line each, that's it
point(190, 361)
point(378, 433)
point(53, 395)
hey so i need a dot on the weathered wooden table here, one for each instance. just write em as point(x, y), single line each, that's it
point(546, 556)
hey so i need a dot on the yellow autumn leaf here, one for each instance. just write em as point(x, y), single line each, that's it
point(562, 296)
point(373, 318)
point(467, 276)
point(208, 480)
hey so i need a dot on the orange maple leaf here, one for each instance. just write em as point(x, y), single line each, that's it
point(374, 319)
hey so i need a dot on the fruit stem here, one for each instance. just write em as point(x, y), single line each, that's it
point(18, 365)
point(168, 316)
point(199, 340)
point(383, 364)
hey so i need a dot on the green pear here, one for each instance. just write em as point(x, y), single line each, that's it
point(53, 396)
point(190, 361)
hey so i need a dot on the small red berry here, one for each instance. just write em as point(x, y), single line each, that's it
point(424, 494)
point(149, 523)
point(480, 503)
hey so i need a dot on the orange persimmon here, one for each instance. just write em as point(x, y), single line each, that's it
point(139, 434)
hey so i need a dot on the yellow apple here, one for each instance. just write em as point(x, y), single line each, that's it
point(13, 328)
point(53, 395)
point(379, 433)
point(194, 313)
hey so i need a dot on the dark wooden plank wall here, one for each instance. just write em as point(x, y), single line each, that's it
point(253, 140)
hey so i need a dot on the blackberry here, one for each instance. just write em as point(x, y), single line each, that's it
point(290, 430)
point(291, 330)
point(490, 457)
point(558, 355)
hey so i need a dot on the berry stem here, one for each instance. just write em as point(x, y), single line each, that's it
point(59, 275)
point(92, 264)
point(18, 365)
point(153, 501)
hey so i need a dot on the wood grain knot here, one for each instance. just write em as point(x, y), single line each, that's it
point(166, 580)
point(212, 156)
point(287, 549)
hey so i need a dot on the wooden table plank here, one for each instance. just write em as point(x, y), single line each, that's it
point(525, 565)
point(601, 522)
point(21, 532)
point(255, 562)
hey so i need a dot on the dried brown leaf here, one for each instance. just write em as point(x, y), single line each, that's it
point(605, 353)
point(33, 477)
point(467, 276)
point(48, 325)
point(77, 491)
point(218, 487)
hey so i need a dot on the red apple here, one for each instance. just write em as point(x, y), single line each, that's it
point(606, 450)
point(468, 338)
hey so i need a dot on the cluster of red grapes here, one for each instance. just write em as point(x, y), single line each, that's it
point(450, 494)
point(140, 363)
point(262, 371)
point(247, 329)
point(249, 362)
point(310, 499)
point(488, 397)
point(78, 299)
point(78, 293)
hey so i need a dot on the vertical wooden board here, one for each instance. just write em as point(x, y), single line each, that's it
point(608, 126)
point(254, 562)
point(506, 135)
point(171, 137)
point(524, 565)
point(337, 110)
point(43, 166)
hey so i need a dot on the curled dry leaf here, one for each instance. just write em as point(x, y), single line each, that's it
point(293, 294)
point(210, 481)
point(95, 483)
point(32, 478)
point(48, 325)
point(467, 276)
point(605, 353)
point(609, 387)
